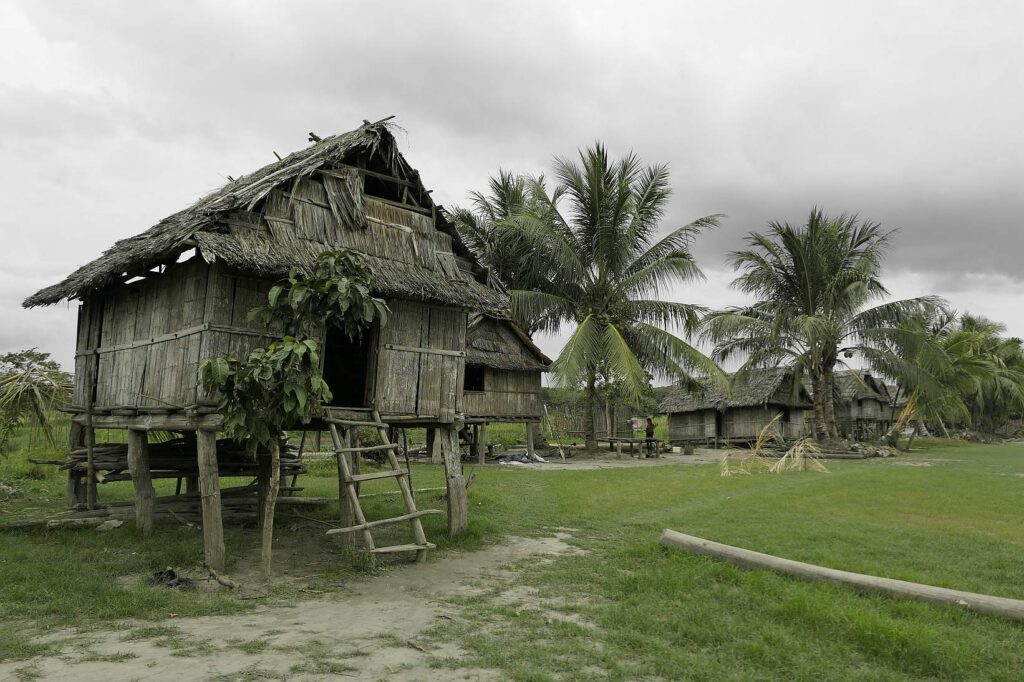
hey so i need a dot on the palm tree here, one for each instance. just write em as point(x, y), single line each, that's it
point(813, 286)
point(598, 266)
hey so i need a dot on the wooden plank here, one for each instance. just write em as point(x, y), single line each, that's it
point(385, 522)
point(394, 549)
point(433, 351)
point(396, 473)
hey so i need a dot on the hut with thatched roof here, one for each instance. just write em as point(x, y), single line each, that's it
point(863, 404)
point(156, 305)
point(502, 382)
point(753, 399)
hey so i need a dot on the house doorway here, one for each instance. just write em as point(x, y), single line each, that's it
point(346, 367)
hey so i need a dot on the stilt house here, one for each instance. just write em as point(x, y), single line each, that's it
point(739, 414)
point(503, 377)
point(155, 306)
point(863, 405)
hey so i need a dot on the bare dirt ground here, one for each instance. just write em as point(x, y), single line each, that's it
point(367, 631)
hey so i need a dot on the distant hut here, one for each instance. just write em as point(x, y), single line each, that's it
point(503, 377)
point(741, 413)
point(154, 306)
point(863, 405)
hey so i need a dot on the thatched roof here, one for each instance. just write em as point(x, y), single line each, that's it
point(501, 344)
point(268, 250)
point(854, 385)
point(754, 388)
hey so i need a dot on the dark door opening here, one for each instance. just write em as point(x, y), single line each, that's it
point(346, 363)
point(719, 425)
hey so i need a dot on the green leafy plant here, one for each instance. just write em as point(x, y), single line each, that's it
point(280, 386)
point(31, 386)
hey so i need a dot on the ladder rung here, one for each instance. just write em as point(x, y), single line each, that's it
point(353, 422)
point(375, 475)
point(402, 548)
point(367, 448)
point(384, 522)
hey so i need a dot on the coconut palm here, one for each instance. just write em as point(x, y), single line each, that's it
point(814, 287)
point(600, 269)
point(31, 387)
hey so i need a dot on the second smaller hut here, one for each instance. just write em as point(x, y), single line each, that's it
point(503, 378)
point(739, 414)
point(863, 406)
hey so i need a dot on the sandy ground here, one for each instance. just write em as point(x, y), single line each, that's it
point(366, 632)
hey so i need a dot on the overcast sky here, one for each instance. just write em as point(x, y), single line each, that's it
point(114, 115)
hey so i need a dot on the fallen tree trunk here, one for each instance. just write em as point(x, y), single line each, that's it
point(982, 603)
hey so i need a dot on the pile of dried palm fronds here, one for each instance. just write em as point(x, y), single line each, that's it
point(800, 457)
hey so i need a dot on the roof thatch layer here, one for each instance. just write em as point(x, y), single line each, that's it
point(501, 344)
point(754, 388)
point(854, 385)
point(268, 252)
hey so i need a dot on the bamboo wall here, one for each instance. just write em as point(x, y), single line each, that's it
point(421, 361)
point(507, 393)
point(739, 423)
point(144, 340)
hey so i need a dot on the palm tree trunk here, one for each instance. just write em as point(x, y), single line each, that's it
point(820, 430)
point(589, 437)
point(828, 403)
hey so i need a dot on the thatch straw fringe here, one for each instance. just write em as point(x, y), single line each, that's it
point(754, 388)
point(272, 246)
point(500, 344)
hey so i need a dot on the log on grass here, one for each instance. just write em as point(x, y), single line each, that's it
point(982, 603)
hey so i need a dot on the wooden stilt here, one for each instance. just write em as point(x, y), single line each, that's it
point(434, 446)
point(530, 452)
point(474, 446)
point(145, 495)
point(76, 485)
point(482, 445)
point(209, 486)
point(458, 500)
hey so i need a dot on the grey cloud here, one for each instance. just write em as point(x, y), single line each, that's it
point(908, 113)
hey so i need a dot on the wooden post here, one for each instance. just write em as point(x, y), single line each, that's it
point(91, 498)
point(618, 450)
point(529, 442)
point(458, 500)
point(348, 517)
point(269, 502)
point(209, 486)
point(75, 488)
point(474, 446)
point(482, 449)
point(145, 495)
point(434, 446)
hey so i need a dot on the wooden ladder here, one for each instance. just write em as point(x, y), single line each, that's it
point(350, 481)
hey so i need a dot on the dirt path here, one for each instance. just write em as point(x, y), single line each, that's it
point(367, 632)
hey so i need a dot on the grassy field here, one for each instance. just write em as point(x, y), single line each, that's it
point(946, 515)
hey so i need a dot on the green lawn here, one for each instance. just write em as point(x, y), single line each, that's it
point(636, 610)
